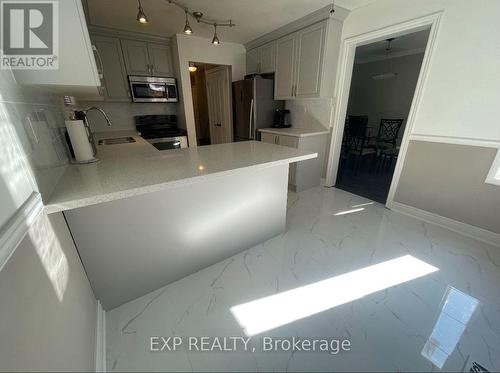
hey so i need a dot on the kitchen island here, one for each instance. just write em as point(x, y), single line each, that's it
point(142, 218)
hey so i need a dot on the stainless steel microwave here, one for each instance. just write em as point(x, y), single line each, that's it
point(153, 89)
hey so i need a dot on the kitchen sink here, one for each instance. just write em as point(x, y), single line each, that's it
point(116, 140)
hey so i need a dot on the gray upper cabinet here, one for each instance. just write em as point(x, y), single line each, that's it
point(284, 79)
point(136, 57)
point(253, 56)
point(143, 58)
point(311, 44)
point(261, 60)
point(160, 58)
point(267, 57)
point(113, 68)
point(299, 63)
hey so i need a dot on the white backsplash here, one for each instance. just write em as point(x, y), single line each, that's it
point(122, 113)
point(36, 118)
point(311, 113)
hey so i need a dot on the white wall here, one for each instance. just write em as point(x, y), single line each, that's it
point(191, 48)
point(462, 92)
point(389, 98)
point(47, 308)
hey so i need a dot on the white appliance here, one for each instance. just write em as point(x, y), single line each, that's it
point(254, 107)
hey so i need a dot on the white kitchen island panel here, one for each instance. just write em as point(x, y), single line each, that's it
point(132, 246)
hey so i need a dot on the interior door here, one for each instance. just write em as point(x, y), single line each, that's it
point(220, 114)
point(161, 59)
point(136, 57)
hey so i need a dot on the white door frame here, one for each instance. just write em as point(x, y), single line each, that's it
point(343, 84)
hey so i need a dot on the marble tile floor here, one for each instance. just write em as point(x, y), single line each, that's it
point(330, 232)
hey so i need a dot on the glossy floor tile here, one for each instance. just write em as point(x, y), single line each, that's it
point(406, 295)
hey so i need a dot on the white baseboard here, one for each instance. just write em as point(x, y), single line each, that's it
point(100, 343)
point(453, 225)
point(16, 228)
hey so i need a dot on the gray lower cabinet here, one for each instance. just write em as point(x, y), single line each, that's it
point(306, 174)
point(147, 59)
point(114, 79)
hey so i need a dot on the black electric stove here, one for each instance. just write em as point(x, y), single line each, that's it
point(157, 126)
point(161, 131)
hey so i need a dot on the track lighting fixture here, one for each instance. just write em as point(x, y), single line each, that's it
point(201, 18)
point(215, 39)
point(141, 16)
point(187, 27)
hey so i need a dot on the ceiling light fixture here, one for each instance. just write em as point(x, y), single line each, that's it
point(201, 18)
point(215, 39)
point(187, 27)
point(390, 74)
point(192, 67)
point(141, 16)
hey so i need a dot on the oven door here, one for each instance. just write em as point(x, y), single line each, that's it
point(169, 143)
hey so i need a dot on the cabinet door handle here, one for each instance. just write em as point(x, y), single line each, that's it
point(100, 68)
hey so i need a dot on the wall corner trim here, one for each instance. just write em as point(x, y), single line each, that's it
point(18, 225)
point(468, 230)
point(100, 343)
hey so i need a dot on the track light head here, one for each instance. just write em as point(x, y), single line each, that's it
point(187, 27)
point(215, 39)
point(141, 16)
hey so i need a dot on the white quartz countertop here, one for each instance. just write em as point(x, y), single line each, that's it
point(295, 132)
point(131, 169)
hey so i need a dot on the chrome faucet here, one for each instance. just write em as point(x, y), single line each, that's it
point(99, 110)
point(87, 124)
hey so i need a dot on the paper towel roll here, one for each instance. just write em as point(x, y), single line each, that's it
point(79, 140)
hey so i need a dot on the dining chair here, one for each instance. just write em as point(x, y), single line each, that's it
point(388, 133)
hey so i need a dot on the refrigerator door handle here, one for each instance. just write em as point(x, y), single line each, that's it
point(251, 134)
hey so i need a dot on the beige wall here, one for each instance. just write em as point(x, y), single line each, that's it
point(459, 101)
point(47, 309)
point(448, 180)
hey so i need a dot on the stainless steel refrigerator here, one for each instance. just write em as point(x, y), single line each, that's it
point(253, 107)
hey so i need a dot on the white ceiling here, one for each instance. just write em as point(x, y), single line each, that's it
point(402, 45)
point(253, 18)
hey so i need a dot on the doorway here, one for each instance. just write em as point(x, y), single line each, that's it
point(343, 85)
point(384, 78)
point(211, 93)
